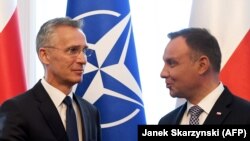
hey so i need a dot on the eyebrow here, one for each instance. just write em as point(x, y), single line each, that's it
point(78, 46)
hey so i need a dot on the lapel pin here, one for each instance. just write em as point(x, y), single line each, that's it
point(218, 113)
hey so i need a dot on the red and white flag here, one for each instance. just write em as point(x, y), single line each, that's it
point(229, 22)
point(12, 78)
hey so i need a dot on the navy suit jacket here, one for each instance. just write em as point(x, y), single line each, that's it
point(32, 116)
point(234, 111)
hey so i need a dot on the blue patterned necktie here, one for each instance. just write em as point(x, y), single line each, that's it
point(195, 112)
point(71, 125)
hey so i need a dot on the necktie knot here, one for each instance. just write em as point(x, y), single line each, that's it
point(195, 112)
point(67, 101)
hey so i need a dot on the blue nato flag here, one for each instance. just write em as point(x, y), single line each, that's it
point(111, 79)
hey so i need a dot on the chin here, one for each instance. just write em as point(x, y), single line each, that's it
point(173, 94)
point(76, 80)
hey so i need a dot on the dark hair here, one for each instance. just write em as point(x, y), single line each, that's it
point(47, 29)
point(201, 42)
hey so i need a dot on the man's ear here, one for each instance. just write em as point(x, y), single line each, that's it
point(43, 55)
point(204, 64)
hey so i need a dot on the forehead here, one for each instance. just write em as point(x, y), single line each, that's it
point(66, 28)
point(176, 47)
point(67, 34)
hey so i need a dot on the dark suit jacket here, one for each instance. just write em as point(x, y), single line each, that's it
point(32, 116)
point(234, 111)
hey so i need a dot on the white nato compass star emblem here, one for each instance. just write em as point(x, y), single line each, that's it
point(116, 74)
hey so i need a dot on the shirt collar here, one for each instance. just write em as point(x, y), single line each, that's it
point(207, 102)
point(55, 94)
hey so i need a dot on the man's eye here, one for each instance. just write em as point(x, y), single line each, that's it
point(73, 50)
point(171, 63)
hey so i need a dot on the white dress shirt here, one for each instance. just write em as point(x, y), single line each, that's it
point(206, 104)
point(57, 97)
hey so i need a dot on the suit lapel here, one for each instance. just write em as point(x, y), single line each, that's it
point(221, 109)
point(50, 112)
point(180, 114)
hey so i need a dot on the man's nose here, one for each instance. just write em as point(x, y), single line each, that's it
point(164, 72)
point(82, 58)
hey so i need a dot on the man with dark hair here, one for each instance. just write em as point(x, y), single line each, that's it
point(192, 64)
point(50, 111)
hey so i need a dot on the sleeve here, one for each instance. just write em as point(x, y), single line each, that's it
point(12, 124)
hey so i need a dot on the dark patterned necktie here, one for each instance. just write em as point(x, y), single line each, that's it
point(71, 125)
point(195, 112)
